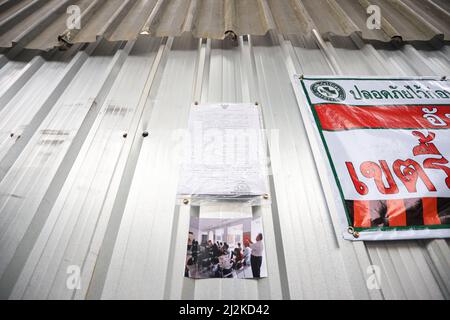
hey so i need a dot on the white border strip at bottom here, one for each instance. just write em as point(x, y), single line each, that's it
point(399, 235)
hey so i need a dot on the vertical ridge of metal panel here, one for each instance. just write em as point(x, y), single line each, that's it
point(50, 151)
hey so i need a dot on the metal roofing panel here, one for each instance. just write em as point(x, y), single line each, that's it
point(75, 191)
point(41, 24)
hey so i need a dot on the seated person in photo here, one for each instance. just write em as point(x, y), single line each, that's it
point(238, 257)
point(189, 267)
point(225, 262)
point(204, 259)
point(215, 253)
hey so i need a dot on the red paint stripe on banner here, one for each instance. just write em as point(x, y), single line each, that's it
point(362, 217)
point(396, 213)
point(334, 117)
point(430, 213)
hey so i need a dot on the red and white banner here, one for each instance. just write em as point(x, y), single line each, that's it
point(388, 146)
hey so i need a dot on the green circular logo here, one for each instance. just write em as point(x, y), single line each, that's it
point(329, 91)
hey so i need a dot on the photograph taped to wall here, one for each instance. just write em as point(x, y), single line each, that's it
point(225, 156)
point(225, 248)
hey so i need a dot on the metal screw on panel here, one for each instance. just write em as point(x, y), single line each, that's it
point(356, 234)
point(11, 135)
point(266, 196)
point(145, 134)
point(257, 103)
point(185, 201)
point(125, 135)
point(231, 35)
point(397, 41)
point(196, 103)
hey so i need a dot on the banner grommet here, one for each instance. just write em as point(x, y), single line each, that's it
point(351, 230)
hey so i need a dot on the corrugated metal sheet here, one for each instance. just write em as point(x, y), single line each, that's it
point(41, 24)
point(74, 190)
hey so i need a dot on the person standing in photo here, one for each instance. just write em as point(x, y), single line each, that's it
point(194, 249)
point(247, 253)
point(256, 257)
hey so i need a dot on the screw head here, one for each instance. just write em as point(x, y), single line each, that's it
point(145, 134)
point(266, 196)
point(356, 234)
point(231, 35)
point(185, 201)
point(125, 135)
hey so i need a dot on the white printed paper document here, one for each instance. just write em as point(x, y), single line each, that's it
point(225, 154)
